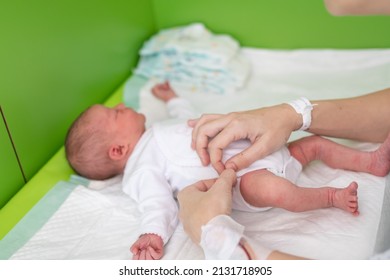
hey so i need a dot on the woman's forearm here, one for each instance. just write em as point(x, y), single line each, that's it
point(364, 118)
point(358, 7)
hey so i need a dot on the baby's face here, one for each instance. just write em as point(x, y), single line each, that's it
point(120, 121)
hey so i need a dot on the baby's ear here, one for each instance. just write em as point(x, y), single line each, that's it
point(117, 152)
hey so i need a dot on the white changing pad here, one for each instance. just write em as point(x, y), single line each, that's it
point(100, 224)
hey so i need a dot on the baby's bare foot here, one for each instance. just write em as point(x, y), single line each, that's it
point(380, 160)
point(346, 199)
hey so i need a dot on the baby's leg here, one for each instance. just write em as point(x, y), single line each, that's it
point(261, 188)
point(338, 156)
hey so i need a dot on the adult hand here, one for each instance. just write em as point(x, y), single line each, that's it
point(204, 200)
point(267, 129)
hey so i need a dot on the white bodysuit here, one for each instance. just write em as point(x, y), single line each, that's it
point(163, 163)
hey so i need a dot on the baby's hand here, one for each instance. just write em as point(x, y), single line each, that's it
point(148, 247)
point(164, 91)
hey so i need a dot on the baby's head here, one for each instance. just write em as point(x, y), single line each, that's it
point(101, 139)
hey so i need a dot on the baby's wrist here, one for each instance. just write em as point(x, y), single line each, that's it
point(169, 98)
point(150, 234)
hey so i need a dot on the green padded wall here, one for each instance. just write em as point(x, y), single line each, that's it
point(57, 58)
point(11, 175)
point(280, 24)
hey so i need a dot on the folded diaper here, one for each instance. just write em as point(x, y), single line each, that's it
point(193, 56)
point(193, 43)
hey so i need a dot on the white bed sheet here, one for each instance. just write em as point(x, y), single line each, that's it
point(100, 224)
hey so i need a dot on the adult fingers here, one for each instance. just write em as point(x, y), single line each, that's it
point(260, 148)
point(199, 122)
point(220, 194)
point(233, 131)
point(194, 192)
point(225, 181)
point(202, 186)
point(190, 193)
point(208, 126)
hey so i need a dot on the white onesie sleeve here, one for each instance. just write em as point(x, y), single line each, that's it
point(144, 181)
point(181, 108)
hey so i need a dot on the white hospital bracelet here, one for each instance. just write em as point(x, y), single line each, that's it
point(304, 107)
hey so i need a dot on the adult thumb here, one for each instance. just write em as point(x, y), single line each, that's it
point(226, 180)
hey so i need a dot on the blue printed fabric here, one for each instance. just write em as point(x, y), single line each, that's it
point(192, 55)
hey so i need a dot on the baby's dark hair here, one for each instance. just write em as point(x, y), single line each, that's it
point(86, 148)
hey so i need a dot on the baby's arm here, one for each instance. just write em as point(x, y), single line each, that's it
point(164, 92)
point(145, 182)
point(148, 247)
point(179, 108)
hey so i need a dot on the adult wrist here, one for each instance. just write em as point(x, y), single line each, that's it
point(303, 107)
point(223, 238)
point(220, 237)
